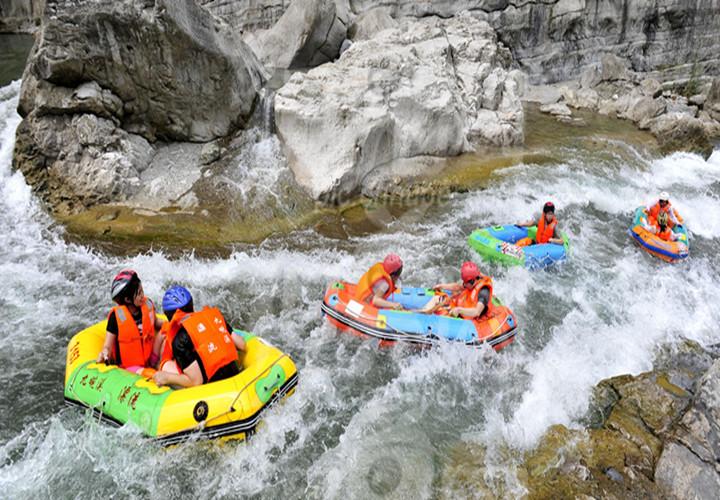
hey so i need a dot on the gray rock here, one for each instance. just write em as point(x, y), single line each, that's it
point(80, 160)
point(684, 475)
point(614, 68)
point(339, 122)
point(643, 108)
point(368, 24)
point(106, 77)
point(209, 153)
point(582, 98)
point(590, 77)
point(680, 106)
point(556, 109)
point(697, 100)
point(543, 94)
point(310, 33)
point(651, 87)
point(179, 75)
point(681, 132)
point(554, 40)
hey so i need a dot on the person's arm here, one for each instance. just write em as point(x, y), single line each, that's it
point(379, 302)
point(453, 287)
point(239, 342)
point(190, 377)
point(106, 352)
point(527, 223)
point(675, 217)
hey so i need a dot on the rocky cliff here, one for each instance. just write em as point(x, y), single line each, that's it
point(555, 40)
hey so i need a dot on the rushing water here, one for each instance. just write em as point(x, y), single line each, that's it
point(364, 421)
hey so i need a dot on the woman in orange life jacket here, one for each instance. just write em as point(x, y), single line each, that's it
point(130, 339)
point(663, 206)
point(472, 295)
point(377, 285)
point(547, 231)
point(199, 347)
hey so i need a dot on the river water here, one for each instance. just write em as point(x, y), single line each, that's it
point(364, 422)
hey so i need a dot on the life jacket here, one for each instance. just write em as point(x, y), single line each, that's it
point(545, 231)
point(656, 209)
point(665, 235)
point(470, 298)
point(364, 289)
point(170, 329)
point(209, 335)
point(135, 346)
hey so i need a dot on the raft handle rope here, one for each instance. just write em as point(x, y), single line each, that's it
point(200, 426)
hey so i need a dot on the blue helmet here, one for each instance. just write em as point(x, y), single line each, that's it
point(176, 297)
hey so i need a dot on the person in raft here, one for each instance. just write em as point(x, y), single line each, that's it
point(547, 230)
point(662, 230)
point(663, 206)
point(377, 285)
point(199, 346)
point(131, 339)
point(471, 298)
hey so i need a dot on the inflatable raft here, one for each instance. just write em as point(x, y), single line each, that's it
point(228, 408)
point(339, 307)
point(497, 244)
point(669, 251)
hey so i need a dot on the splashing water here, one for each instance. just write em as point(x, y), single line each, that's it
point(364, 422)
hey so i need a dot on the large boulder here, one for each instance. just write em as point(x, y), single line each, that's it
point(20, 15)
point(431, 87)
point(308, 34)
point(139, 71)
point(370, 23)
point(681, 132)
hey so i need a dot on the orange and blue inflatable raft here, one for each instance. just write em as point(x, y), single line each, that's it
point(498, 329)
point(669, 251)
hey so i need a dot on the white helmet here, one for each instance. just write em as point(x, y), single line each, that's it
point(664, 196)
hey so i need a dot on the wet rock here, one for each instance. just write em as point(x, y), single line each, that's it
point(590, 77)
point(368, 24)
point(210, 152)
point(309, 33)
point(339, 122)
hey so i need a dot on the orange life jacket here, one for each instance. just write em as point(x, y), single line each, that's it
point(665, 235)
point(655, 211)
point(364, 290)
point(470, 298)
point(135, 346)
point(170, 329)
point(208, 332)
point(545, 231)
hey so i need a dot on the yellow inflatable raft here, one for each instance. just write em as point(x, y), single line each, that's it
point(227, 408)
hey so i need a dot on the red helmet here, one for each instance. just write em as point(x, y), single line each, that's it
point(548, 207)
point(392, 263)
point(121, 281)
point(469, 271)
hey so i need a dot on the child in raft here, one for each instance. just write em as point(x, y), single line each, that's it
point(131, 338)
